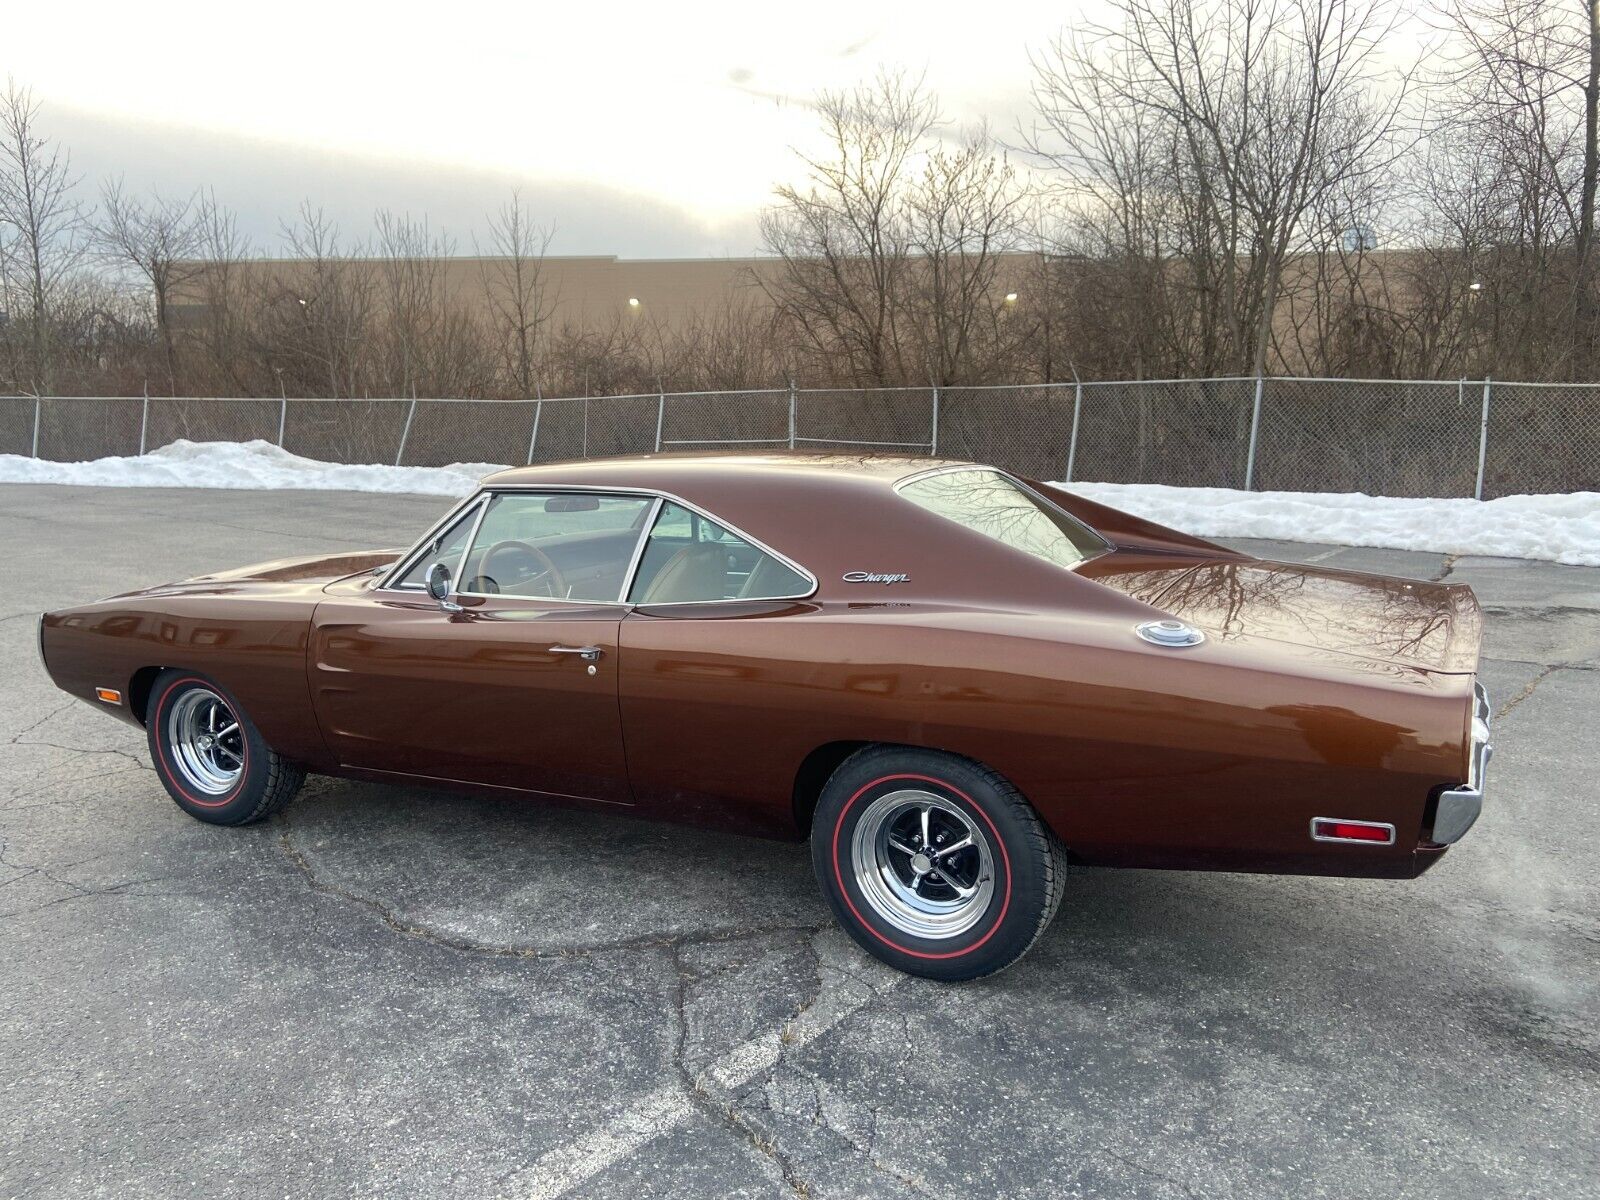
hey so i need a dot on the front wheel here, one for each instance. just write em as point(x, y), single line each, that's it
point(933, 863)
point(209, 756)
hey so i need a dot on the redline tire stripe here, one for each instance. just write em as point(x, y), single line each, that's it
point(1005, 902)
point(172, 776)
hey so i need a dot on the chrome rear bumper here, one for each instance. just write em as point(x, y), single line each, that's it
point(1459, 807)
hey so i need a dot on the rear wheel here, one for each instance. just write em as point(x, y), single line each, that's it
point(933, 863)
point(209, 756)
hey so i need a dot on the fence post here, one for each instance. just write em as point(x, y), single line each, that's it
point(144, 419)
point(533, 438)
point(933, 442)
point(585, 453)
point(283, 417)
point(661, 413)
point(1255, 431)
point(1483, 439)
point(791, 412)
point(1077, 410)
point(36, 403)
point(405, 434)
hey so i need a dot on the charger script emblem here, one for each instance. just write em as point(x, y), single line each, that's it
point(874, 577)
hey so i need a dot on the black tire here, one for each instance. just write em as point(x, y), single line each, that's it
point(870, 812)
point(261, 783)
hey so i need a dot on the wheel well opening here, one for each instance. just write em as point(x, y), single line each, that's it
point(139, 690)
point(813, 776)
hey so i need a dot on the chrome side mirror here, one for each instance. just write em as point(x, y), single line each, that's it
point(439, 587)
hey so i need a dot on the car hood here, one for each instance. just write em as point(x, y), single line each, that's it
point(308, 573)
point(1411, 622)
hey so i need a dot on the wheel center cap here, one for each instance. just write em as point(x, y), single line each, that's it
point(921, 863)
point(205, 741)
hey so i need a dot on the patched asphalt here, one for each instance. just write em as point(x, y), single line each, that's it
point(393, 992)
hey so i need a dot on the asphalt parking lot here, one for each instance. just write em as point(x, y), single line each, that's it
point(393, 992)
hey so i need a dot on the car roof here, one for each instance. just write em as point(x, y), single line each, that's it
point(686, 472)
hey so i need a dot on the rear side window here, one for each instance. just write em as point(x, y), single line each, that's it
point(690, 558)
point(989, 503)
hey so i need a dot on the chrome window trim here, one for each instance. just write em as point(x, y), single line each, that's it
point(761, 546)
point(639, 549)
point(409, 559)
point(1106, 546)
point(485, 494)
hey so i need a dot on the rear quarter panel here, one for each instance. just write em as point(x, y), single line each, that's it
point(1215, 756)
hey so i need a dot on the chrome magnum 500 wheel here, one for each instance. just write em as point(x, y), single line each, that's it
point(209, 756)
point(933, 863)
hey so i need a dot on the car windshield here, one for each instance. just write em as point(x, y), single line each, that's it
point(989, 503)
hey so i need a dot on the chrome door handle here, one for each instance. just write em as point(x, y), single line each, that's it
point(587, 653)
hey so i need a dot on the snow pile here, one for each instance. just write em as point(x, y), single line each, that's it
point(252, 465)
point(1562, 528)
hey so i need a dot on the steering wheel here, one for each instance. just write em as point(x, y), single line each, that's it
point(535, 566)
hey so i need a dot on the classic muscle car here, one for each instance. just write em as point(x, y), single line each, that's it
point(955, 682)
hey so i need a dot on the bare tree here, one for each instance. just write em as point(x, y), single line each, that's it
point(222, 286)
point(44, 222)
point(157, 240)
point(1204, 135)
point(965, 213)
point(429, 343)
point(1526, 85)
point(844, 236)
point(317, 316)
point(514, 284)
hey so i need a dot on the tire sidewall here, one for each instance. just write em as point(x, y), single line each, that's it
point(238, 804)
point(1011, 922)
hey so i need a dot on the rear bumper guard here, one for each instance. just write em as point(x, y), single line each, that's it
point(1459, 807)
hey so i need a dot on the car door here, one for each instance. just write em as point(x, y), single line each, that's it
point(715, 673)
point(514, 688)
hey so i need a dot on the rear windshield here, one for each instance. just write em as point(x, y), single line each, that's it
point(989, 503)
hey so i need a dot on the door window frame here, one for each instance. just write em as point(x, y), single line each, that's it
point(484, 496)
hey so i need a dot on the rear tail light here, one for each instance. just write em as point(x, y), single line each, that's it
point(1338, 829)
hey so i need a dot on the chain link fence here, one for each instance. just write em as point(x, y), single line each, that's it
point(1383, 437)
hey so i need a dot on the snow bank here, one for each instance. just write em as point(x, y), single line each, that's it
point(1562, 528)
point(250, 465)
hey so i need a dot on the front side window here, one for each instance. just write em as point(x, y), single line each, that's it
point(989, 503)
point(556, 545)
point(445, 546)
point(692, 558)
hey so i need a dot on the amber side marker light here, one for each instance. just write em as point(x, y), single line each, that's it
point(1335, 829)
point(109, 695)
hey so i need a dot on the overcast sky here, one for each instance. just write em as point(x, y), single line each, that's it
point(646, 130)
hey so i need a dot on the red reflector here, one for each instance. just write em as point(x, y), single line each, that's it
point(1327, 829)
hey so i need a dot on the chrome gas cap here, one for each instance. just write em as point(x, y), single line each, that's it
point(1169, 633)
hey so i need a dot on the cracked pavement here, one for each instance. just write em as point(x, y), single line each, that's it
point(388, 991)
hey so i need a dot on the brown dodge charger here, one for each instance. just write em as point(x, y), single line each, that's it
point(953, 681)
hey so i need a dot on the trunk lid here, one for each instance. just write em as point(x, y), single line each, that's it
point(1412, 622)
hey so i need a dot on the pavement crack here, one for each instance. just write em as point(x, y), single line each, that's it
point(722, 1109)
point(1144, 1170)
point(399, 924)
point(1529, 688)
point(16, 738)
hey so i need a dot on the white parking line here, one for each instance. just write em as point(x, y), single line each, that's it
point(561, 1170)
point(564, 1168)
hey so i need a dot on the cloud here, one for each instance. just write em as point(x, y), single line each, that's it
point(265, 182)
